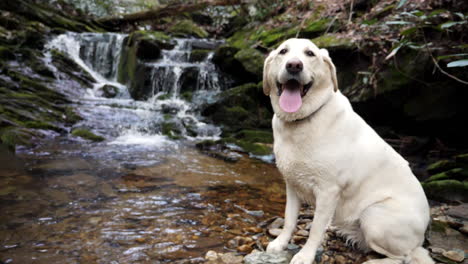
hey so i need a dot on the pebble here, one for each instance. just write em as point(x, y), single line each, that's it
point(245, 248)
point(455, 255)
point(303, 233)
point(464, 229)
point(279, 222)
point(274, 231)
point(231, 258)
point(211, 255)
point(239, 241)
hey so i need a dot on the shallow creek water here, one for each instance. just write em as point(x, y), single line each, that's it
point(65, 203)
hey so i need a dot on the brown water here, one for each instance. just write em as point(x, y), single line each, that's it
point(67, 202)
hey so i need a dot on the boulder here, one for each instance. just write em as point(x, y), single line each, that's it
point(138, 47)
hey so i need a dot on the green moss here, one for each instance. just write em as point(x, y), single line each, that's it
point(252, 60)
point(260, 136)
point(86, 134)
point(454, 174)
point(198, 55)
point(188, 27)
point(171, 130)
point(164, 96)
point(462, 159)
point(71, 117)
point(333, 42)
point(41, 125)
point(447, 190)
point(254, 148)
point(438, 226)
point(13, 136)
point(187, 96)
point(441, 165)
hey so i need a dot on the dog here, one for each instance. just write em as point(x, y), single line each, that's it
point(331, 158)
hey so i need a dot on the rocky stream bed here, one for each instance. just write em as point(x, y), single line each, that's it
point(151, 142)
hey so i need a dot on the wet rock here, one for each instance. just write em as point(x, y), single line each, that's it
point(239, 241)
point(268, 258)
point(251, 60)
point(240, 108)
point(231, 258)
point(455, 255)
point(86, 134)
point(198, 55)
point(109, 91)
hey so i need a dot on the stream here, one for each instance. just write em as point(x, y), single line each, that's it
point(138, 196)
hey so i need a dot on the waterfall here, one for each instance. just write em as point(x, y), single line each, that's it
point(137, 122)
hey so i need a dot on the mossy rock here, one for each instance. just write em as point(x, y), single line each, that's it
point(71, 117)
point(257, 149)
point(13, 136)
point(86, 134)
point(447, 190)
point(440, 166)
point(241, 107)
point(334, 42)
point(138, 47)
point(109, 91)
point(252, 61)
point(187, 96)
point(188, 28)
point(459, 174)
point(257, 136)
point(198, 55)
point(42, 125)
point(462, 159)
point(171, 130)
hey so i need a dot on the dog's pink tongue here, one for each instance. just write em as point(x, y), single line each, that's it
point(290, 100)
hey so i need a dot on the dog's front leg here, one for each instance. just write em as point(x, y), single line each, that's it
point(325, 205)
point(290, 220)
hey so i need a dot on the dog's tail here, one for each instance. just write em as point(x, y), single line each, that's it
point(419, 256)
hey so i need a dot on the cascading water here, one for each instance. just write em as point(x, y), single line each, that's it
point(141, 122)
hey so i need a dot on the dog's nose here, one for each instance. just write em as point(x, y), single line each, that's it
point(294, 66)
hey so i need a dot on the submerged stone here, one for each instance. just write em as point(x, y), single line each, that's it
point(268, 258)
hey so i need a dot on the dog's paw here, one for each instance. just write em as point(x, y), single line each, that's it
point(276, 246)
point(302, 258)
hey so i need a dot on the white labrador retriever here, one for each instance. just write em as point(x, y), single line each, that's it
point(332, 158)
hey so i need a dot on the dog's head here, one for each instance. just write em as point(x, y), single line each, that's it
point(299, 78)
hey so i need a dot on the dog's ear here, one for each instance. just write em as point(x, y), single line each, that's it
point(331, 67)
point(266, 68)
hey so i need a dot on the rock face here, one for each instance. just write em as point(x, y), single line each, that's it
point(268, 258)
point(448, 180)
point(141, 46)
point(30, 107)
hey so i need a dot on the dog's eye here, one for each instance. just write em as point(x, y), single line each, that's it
point(283, 51)
point(309, 53)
